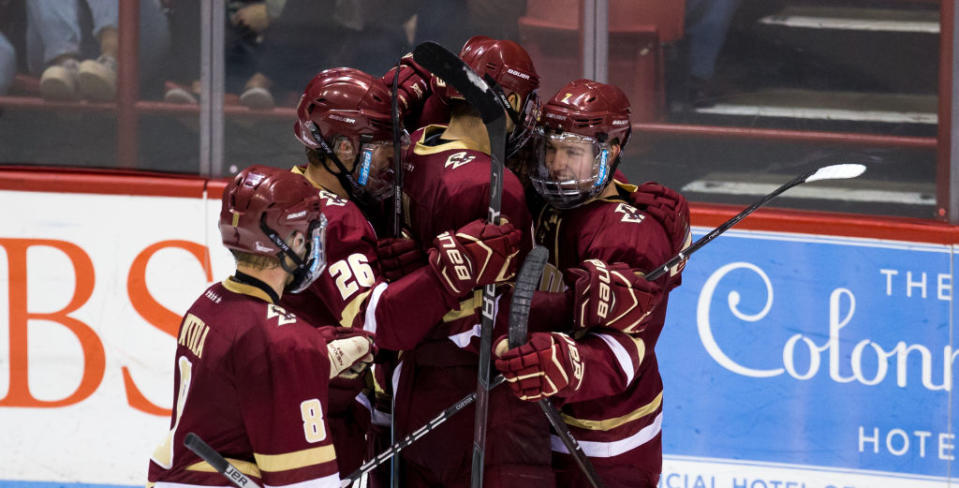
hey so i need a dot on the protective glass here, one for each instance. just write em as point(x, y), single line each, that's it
point(314, 261)
point(570, 169)
point(374, 172)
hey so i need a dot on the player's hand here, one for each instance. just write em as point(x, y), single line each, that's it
point(548, 364)
point(611, 295)
point(477, 254)
point(671, 210)
point(398, 256)
point(413, 85)
point(350, 351)
point(668, 207)
point(253, 16)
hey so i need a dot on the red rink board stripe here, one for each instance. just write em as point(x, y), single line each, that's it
point(118, 182)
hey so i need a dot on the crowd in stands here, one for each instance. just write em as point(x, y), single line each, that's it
point(69, 47)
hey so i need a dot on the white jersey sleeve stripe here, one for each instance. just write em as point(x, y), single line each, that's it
point(615, 448)
point(369, 323)
point(622, 356)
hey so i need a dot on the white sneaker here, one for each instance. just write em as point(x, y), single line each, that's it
point(257, 98)
point(98, 79)
point(59, 82)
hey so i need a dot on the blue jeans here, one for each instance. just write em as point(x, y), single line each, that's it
point(707, 22)
point(8, 64)
point(56, 28)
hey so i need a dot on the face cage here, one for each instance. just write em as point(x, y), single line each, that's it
point(305, 271)
point(524, 124)
point(378, 185)
point(569, 192)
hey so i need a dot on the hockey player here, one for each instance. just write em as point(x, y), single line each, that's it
point(446, 185)
point(343, 119)
point(252, 378)
point(602, 235)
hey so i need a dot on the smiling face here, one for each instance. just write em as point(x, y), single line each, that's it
point(571, 169)
point(569, 159)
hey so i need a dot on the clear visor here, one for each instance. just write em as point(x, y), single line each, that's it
point(374, 171)
point(314, 261)
point(570, 169)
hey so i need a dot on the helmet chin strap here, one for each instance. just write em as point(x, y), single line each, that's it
point(357, 194)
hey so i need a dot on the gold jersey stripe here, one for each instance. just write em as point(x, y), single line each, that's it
point(423, 149)
point(245, 467)
point(294, 460)
point(610, 424)
point(353, 308)
point(467, 307)
point(244, 289)
point(628, 187)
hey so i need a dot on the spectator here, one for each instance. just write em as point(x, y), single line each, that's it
point(247, 21)
point(311, 35)
point(59, 34)
point(8, 64)
point(707, 22)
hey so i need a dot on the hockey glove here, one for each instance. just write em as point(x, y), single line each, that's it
point(350, 350)
point(413, 85)
point(671, 210)
point(477, 254)
point(611, 295)
point(548, 364)
point(398, 256)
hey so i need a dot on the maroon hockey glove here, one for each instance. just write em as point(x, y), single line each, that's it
point(477, 254)
point(413, 85)
point(668, 207)
point(350, 350)
point(398, 256)
point(548, 364)
point(611, 295)
point(671, 210)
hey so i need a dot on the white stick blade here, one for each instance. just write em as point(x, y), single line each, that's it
point(837, 172)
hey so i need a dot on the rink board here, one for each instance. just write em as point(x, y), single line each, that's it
point(99, 382)
point(810, 361)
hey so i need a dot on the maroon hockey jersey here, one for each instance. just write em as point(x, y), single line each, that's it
point(351, 292)
point(617, 414)
point(446, 186)
point(251, 380)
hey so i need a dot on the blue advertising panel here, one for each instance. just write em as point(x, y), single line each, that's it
point(798, 361)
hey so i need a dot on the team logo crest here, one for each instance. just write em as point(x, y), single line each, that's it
point(283, 317)
point(459, 159)
point(630, 214)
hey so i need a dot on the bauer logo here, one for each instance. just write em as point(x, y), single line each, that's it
point(517, 73)
point(297, 215)
point(348, 120)
point(838, 347)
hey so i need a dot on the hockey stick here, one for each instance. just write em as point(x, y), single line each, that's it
point(414, 436)
point(833, 172)
point(526, 283)
point(397, 232)
point(397, 156)
point(457, 74)
point(219, 463)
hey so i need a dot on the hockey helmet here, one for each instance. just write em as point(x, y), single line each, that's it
point(262, 207)
point(349, 103)
point(510, 70)
point(578, 126)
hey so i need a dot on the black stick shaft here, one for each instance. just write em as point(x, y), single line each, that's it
point(702, 241)
point(416, 435)
point(194, 443)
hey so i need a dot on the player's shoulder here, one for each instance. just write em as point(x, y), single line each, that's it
point(429, 148)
